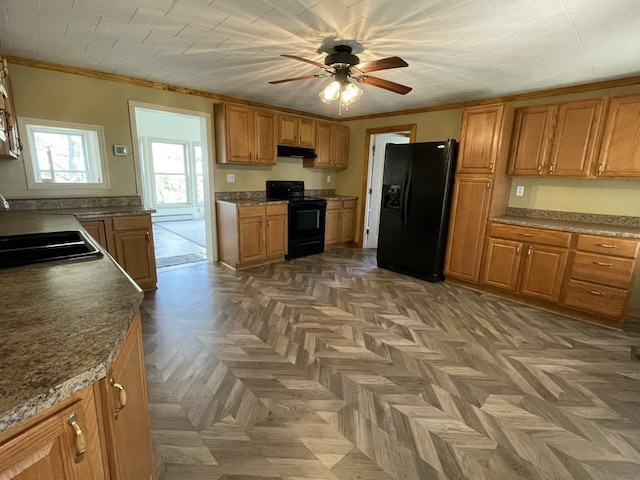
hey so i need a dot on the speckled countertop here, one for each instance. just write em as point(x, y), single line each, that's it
point(62, 323)
point(570, 226)
point(96, 212)
point(338, 197)
point(251, 201)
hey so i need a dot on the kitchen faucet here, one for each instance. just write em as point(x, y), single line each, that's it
point(4, 203)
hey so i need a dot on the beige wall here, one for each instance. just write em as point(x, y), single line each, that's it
point(59, 96)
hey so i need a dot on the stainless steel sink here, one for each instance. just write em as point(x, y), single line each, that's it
point(46, 247)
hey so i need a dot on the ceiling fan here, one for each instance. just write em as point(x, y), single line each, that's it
point(343, 65)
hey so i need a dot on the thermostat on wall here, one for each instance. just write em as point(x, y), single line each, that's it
point(120, 150)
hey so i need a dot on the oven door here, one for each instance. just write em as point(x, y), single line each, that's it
point(307, 219)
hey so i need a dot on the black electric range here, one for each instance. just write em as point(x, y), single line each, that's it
point(306, 217)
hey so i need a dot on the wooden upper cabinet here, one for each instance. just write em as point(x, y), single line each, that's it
point(323, 146)
point(620, 150)
point(245, 135)
point(480, 138)
point(576, 137)
point(10, 146)
point(332, 146)
point(531, 140)
point(264, 139)
point(339, 146)
point(296, 131)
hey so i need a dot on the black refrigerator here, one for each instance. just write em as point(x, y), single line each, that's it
point(414, 215)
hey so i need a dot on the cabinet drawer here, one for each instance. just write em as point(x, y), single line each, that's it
point(279, 209)
point(349, 203)
point(254, 211)
point(334, 204)
point(132, 223)
point(602, 269)
point(529, 234)
point(592, 298)
point(620, 247)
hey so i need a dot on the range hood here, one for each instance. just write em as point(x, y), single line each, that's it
point(296, 152)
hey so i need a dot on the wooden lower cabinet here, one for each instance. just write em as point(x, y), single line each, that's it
point(79, 439)
point(340, 225)
point(125, 412)
point(569, 273)
point(129, 240)
point(250, 235)
point(470, 206)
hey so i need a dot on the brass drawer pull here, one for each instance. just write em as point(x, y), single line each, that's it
point(602, 264)
point(530, 251)
point(606, 245)
point(527, 234)
point(594, 292)
point(518, 248)
point(80, 440)
point(122, 397)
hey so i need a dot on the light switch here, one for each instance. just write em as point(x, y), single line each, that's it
point(231, 178)
point(328, 178)
point(520, 191)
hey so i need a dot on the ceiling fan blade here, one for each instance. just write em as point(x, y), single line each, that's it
point(300, 59)
point(306, 77)
point(386, 84)
point(382, 64)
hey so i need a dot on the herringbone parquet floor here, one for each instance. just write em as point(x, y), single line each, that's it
point(328, 367)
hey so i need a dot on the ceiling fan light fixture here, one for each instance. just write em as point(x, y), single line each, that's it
point(350, 93)
point(331, 93)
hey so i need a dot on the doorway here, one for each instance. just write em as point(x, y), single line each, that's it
point(173, 149)
point(376, 141)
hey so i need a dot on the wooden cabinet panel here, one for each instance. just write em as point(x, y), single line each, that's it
point(339, 146)
point(501, 264)
point(323, 146)
point(470, 206)
point(602, 269)
point(97, 230)
point(239, 134)
point(134, 253)
point(531, 140)
point(276, 235)
point(10, 145)
point(128, 433)
point(619, 247)
point(333, 225)
point(576, 138)
point(543, 272)
point(479, 139)
point(251, 241)
point(264, 138)
point(530, 234)
point(598, 299)
point(48, 450)
point(287, 130)
point(306, 132)
point(620, 151)
point(348, 226)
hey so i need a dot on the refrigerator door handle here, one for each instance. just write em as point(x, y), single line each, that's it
point(406, 185)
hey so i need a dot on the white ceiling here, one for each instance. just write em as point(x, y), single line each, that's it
point(457, 50)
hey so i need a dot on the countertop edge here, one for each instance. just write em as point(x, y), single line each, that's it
point(573, 227)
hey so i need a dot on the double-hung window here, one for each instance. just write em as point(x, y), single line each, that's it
point(63, 154)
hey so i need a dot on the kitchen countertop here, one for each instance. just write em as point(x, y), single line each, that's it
point(251, 201)
point(94, 212)
point(338, 197)
point(62, 323)
point(570, 226)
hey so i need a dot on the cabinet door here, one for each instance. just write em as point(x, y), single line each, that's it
point(250, 239)
point(97, 231)
point(543, 272)
point(501, 264)
point(469, 210)
point(306, 132)
point(276, 235)
point(265, 138)
point(339, 146)
point(287, 130)
point(348, 221)
point(240, 135)
point(134, 253)
point(323, 145)
point(127, 429)
point(479, 139)
point(531, 140)
point(576, 136)
point(333, 225)
point(620, 151)
point(48, 450)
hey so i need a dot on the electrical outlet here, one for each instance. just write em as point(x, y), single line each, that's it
point(520, 191)
point(328, 178)
point(231, 178)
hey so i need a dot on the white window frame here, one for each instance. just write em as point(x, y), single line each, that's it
point(27, 125)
